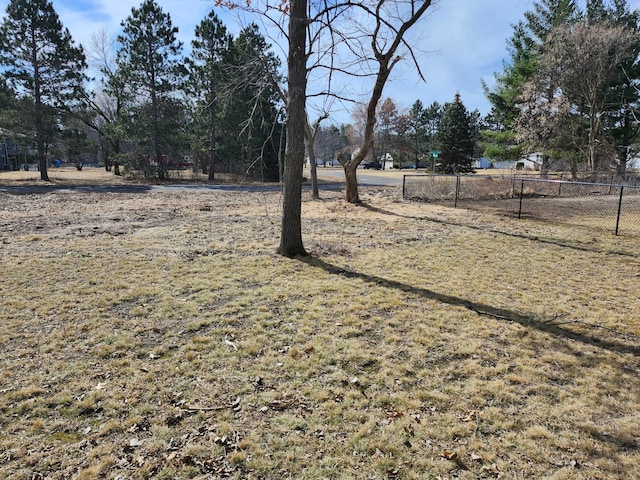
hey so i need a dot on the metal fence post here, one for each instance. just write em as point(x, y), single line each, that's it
point(521, 192)
point(619, 209)
point(404, 192)
point(455, 204)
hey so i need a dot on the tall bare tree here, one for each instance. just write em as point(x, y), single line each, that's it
point(390, 20)
point(291, 244)
point(310, 135)
point(108, 100)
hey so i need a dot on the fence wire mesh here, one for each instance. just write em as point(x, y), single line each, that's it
point(611, 207)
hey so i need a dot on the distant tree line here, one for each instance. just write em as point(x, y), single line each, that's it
point(150, 107)
point(440, 138)
point(569, 91)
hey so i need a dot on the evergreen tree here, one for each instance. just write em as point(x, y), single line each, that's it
point(570, 99)
point(432, 115)
point(418, 124)
point(150, 66)
point(328, 142)
point(456, 138)
point(579, 101)
point(548, 14)
point(8, 107)
point(210, 56)
point(525, 44)
point(251, 128)
point(386, 132)
point(8, 117)
point(43, 65)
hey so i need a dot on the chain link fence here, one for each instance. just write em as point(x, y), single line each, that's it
point(607, 206)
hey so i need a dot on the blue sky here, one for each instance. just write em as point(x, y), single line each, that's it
point(461, 41)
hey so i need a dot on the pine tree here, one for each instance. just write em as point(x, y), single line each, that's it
point(210, 54)
point(548, 14)
point(8, 107)
point(456, 138)
point(420, 140)
point(255, 107)
point(43, 65)
point(150, 65)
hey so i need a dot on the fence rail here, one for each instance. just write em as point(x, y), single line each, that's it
point(613, 207)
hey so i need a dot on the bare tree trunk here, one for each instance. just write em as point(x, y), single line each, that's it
point(156, 136)
point(212, 149)
point(42, 161)
point(386, 61)
point(211, 171)
point(622, 165)
point(42, 158)
point(544, 166)
point(211, 168)
point(310, 137)
point(314, 171)
point(350, 173)
point(291, 232)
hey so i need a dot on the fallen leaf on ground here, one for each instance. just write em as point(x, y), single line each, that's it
point(449, 454)
point(471, 416)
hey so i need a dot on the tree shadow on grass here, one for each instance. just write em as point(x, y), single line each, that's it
point(525, 319)
point(482, 228)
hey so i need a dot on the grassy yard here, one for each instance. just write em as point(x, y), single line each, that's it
point(159, 336)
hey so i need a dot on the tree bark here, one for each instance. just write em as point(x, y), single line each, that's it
point(39, 112)
point(212, 147)
point(544, 166)
point(311, 152)
point(211, 170)
point(291, 231)
point(350, 174)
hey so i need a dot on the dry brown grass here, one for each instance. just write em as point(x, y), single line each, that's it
point(158, 336)
point(64, 175)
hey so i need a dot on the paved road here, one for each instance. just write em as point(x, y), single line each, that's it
point(366, 178)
